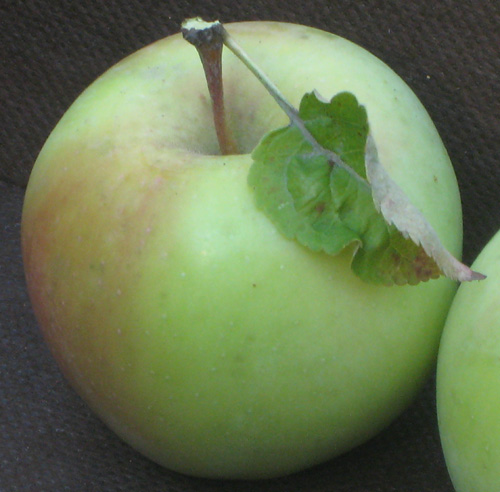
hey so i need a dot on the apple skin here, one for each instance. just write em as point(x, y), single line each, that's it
point(198, 333)
point(468, 380)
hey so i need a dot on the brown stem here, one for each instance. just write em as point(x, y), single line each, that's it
point(209, 43)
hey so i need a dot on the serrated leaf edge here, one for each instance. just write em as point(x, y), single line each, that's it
point(391, 201)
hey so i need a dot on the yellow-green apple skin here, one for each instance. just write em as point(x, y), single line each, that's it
point(468, 380)
point(204, 338)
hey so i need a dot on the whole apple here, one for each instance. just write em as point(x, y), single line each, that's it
point(193, 328)
point(468, 380)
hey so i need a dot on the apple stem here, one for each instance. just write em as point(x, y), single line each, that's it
point(208, 41)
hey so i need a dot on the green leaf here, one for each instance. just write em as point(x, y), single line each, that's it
point(310, 178)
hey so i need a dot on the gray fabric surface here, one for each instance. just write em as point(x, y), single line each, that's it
point(447, 51)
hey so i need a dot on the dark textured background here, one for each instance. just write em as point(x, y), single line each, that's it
point(446, 50)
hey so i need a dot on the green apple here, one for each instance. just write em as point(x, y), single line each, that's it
point(193, 328)
point(468, 380)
